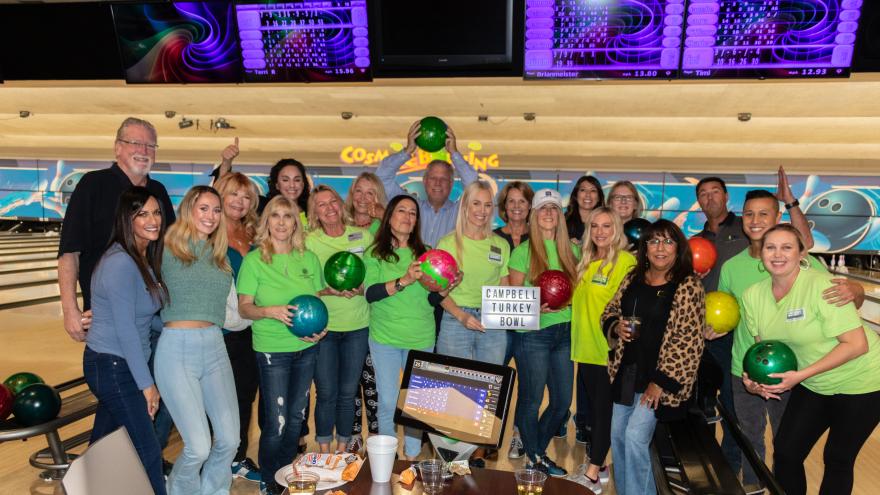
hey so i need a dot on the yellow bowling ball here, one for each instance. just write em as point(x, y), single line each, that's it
point(722, 311)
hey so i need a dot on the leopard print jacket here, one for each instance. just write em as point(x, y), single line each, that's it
point(682, 345)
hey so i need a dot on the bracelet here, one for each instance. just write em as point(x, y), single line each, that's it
point(793, 204)
point(398, 286)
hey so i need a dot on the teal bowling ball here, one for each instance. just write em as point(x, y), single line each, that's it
point(634, 228)
point(309, 317)
point(345, 271)
point(36, 404)
point(432, 134)
point(766, 357)
point(17, 381)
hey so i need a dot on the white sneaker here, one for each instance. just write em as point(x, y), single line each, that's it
point(604, 474)
point(580, 477)
point(516, 448)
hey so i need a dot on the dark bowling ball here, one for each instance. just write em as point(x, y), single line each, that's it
point(20, 380)
point(36, 404)
point(309, 317)
point(555, 288)
point(432, 134)
point(344, 271)
point(6, 400)
point(634, 229)
point(766, 357)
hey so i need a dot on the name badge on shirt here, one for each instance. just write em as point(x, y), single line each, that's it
point(795, 315)
point(599, 279)
point(495, 254)
point(355, 236)
point(356, 250)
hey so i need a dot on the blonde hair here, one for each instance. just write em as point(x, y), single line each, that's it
point(180, 236)
point(263, 241)
point(234, 181)
point(538, 262)
point(590, 251)
point(461, 219)
point(372, 179)
point(314, 221)
point(637, 209)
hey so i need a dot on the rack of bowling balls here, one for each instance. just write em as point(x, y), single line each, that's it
point(28, 398)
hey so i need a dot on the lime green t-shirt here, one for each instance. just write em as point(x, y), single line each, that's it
point(738, 274)
point(345, 314)
point(519, 261)
point(810, 326)
point(594, 291)
point(406, 319)
point(288, 276)
point(374, 226)
point(483, 262)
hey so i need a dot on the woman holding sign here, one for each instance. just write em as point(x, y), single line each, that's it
point(604, 263)
point(837, 385)
point(401, 312)
point(657, 318)
point(544, 356)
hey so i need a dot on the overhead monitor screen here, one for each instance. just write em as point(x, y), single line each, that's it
point(582, 39)
point(769, 38)
point(458, 398)
point(308, 41)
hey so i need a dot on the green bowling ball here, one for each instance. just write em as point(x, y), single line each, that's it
point(36, 404)
point(20, 380)
point(432, 134)
point(344, 271)
point(766, 357)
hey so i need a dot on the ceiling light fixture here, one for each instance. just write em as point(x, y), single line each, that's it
point(529, 116)
point(185, 123)
point(482, 118)
point(346, 115)
point(24, 113)
point(169, 114)
point(744, 116)
point(221, 123)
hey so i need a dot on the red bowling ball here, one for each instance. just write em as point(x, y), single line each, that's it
point(6, 400)
point(555, 288)
point(703, 254)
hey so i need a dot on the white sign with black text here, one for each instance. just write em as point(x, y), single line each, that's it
point(511, 308)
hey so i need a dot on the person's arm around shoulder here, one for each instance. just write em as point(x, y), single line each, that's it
point(390, 165)
point(465, 171)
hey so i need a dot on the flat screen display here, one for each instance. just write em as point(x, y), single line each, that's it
point(582, 39)
point(308, 41)
point(769, 38)
point(181, 42)
point(458, 398)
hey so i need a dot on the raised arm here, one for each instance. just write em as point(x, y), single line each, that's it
point(464, 169)
point(798, 219)
point(387, 170)
point(228, 154)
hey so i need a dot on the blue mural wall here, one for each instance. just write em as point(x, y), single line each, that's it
point(842, 209)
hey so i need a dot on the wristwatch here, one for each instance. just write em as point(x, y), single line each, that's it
point(398, 286)
point(793, 204)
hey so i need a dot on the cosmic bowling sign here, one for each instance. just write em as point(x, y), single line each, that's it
point(511, 308)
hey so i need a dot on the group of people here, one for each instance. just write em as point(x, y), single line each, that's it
point(187, 316)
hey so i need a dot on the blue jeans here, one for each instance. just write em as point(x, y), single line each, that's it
point(632, 428)
point(341, 358)
point(162, 422)
point(544, 359)
point(195, 379)
point(285, 379)
point(388, 362)
point(457, 341)
point(121, 403)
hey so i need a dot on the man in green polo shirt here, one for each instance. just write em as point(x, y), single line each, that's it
point(760, 213)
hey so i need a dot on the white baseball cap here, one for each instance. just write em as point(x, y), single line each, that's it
point(546, 196)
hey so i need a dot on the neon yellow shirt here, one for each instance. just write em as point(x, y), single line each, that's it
point(483, 262)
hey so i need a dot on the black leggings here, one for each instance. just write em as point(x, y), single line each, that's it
point(851, 420)
point(594, 379)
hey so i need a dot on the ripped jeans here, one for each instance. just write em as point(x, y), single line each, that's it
point(285, 379)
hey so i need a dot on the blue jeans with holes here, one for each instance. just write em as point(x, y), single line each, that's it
point(632, 428)
point(121, 403)
point(341, 358)
point(457, 341)
point(285, 379)
point(195, 379)
point(544, 359)
point(388, 362)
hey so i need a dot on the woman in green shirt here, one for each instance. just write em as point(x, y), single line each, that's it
point(482, 258)
point(837, 385)
point(543, 357)
point(604, 263)
point(342, 353)
point(270, 276)
point(401, 312)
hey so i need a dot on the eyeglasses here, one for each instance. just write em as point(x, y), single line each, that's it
point(139, 145)
point(656, 241)
point(622, 199)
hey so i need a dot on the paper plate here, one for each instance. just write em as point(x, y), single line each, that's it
point(282, 473)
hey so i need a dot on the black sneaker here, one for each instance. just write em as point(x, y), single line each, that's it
point(246, 469)
point(551, 468)
point(582, 435)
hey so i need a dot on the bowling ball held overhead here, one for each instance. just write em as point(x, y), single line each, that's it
point(432, 134)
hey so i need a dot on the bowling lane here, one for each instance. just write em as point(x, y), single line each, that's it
point(26, 266)
point(17, 250)
point(47, 275)
point(27, 295)
point(4, 259)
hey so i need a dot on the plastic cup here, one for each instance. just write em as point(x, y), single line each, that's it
point(530, 482)
point(381, 450)
point(634, 324)
point(432, 475)
point(302, 483)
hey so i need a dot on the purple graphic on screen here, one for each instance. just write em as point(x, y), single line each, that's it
point(310, 41)
point(769, 38)
point(575, 39)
